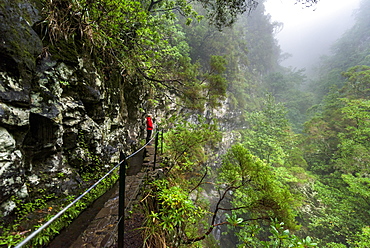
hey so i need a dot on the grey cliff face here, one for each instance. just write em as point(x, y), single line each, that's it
point(56, 115)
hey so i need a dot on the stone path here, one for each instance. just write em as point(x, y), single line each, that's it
point(102, 230)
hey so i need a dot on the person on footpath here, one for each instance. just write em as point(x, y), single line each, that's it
point(149, 127)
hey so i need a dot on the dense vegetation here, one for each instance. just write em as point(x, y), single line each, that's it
point(296, 173)
point(299, 161)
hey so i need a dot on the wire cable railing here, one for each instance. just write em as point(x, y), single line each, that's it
point(123, 161)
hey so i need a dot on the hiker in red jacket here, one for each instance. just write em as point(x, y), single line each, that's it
point(149, 127)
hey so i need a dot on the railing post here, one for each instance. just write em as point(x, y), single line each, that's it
point(121, 201)
point(161, 141)
point(155, 150)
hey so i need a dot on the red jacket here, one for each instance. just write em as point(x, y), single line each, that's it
point(149, 123)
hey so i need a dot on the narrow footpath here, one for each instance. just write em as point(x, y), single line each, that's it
point(97, 226)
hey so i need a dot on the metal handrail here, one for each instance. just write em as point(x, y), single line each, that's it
point(32, 235)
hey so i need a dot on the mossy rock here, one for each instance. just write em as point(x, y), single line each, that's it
point(66, 51)
point(20, 45)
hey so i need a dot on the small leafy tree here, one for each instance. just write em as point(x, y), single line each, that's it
point(268, 132)
point(280, 237)
point(186, 141)
point(362, 239)
point(256, 191)
point(173, 217)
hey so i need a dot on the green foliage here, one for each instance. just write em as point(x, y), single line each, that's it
point(362, 239)
point(321, 139)
point(283, 238)
point(279, 237)
point(358, 185)
point(337, 150)
point(43, 209)
point(358, 81)
point(175, 209)
point(258, 32)
point(174, 218)
point(177, 213)
point(89, 164)
point(143, 43)
point(224, 13)
point(185, 141)
point(269, 136)
point(255, 188)
point(131, 36)
point(64, 83)
point(353, 150)
point(337, 215)
point(335, 245)
point(248, 47)
point(216, 83)
point(287, 88)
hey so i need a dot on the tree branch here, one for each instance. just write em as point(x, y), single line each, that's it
point(152, 3)
point(201, 180)
point(213, 225)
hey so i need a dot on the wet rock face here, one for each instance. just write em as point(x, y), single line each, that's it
point(18, 50)
point(55, 120)
point(11, 163)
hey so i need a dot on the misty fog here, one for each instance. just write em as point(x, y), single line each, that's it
point(308, 33)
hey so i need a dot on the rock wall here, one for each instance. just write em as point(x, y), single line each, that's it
point(60, 116)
